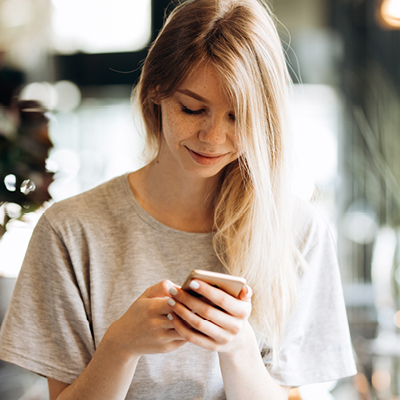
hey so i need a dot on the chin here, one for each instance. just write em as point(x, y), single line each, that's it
point(205, 172)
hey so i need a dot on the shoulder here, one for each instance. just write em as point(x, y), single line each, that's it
point(92, 206)
point(311, 228)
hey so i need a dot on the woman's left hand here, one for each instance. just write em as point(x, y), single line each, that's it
point(201, 323)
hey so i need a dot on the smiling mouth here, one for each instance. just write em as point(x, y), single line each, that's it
point(205, 159)
point(208, 155)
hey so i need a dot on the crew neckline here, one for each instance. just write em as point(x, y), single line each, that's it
point(148, 219)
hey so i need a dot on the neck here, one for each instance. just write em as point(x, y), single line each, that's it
point(178, 201)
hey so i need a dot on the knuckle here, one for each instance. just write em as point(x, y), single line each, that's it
point(223, 301)
point(179, 330)
point(159, 337)
point(235, 329)
point(198, 324)
point(165, 284)
point(153, 325)
point(224, 340)
point(207, 312)
point(214, 347)
point(181, 296)
point(151, 307)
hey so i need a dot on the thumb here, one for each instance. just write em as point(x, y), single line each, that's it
point(246, 293)
point(160, 289)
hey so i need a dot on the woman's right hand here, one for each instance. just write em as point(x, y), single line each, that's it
point(145, 327)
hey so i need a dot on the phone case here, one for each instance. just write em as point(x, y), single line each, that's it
point(229, 283)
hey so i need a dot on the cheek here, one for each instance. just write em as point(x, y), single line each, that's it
point(169, 125)
point(176, 129)
point(237, 144)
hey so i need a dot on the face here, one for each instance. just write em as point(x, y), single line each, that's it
point(198, 126)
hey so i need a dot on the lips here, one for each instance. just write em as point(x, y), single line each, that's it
point(205, 159)
point(208, 155)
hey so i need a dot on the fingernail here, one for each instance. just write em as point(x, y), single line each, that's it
point(171, 302)
point(170, 317)
point(173, 291)
point(194, 285)
point(249, 291)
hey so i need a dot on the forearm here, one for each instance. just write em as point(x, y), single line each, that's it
point(245, 376)
point(143, 329)
point(107, 376)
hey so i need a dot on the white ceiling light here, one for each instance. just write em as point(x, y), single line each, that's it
point(101, 26)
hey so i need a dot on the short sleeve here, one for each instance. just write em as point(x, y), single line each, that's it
point(316, 346)
point(46, 328)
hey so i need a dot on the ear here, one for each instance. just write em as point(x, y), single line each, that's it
point(154, 96)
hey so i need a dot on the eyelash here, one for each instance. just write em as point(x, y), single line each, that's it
point(198, 112)
point(191, 112)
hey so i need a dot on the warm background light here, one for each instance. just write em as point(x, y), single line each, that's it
point(381, 380)
point(397, 319)
point(294, 394)
point(390, 13)
point(361, 383)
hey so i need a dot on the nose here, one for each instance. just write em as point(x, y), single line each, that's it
point(214, 131)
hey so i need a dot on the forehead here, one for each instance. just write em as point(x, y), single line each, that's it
point(206, 82)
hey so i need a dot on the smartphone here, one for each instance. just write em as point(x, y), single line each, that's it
point(228, 283)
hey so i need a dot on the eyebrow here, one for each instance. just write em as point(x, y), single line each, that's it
point(194, 95)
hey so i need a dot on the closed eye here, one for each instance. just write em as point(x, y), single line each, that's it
point(191, 112)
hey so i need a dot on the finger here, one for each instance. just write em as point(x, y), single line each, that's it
point(173, 334)
point(163, 322)
point(161, 289)
point(166, 327)
point(194, 336)
point(202, 307)
point(246, 293)
point(206, 327)
point(235, 307)
point(158, 307)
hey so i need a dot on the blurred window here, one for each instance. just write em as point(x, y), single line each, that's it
point(100, 26)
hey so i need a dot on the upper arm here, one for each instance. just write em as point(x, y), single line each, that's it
point(55, 388)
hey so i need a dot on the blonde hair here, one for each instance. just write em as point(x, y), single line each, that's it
point(253, 204)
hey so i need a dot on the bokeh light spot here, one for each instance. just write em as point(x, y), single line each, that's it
point(390, 12)
point(397, 319)
point(68, 95)
point(27, 186)
point(10, 182)
point(381, 380)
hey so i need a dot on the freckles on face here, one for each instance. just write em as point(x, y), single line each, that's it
point(175, 127)
point(198, 124)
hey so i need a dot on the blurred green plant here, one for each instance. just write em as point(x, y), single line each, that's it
point(375, 160)
point(24, 147)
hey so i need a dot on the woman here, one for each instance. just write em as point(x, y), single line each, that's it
point(87, 311)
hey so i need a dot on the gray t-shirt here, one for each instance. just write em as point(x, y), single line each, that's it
point(92, 255)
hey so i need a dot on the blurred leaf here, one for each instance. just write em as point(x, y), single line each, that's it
point(24, 179)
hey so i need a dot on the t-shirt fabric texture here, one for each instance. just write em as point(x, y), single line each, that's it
point(91, 256)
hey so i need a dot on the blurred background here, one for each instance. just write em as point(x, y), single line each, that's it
point(80, 59)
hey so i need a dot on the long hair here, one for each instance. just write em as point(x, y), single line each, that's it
point(254, 235)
